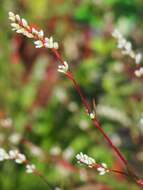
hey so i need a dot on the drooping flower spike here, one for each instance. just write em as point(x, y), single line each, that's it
point(126, 49)
point(18, 157)
point(90, 162)
point(20, 25)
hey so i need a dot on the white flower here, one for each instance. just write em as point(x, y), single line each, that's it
point(24, 22)
point(20, 158)
point(3, 154)
point(13, 154)
point(15, 26)
point(116, 34)
point(102, 169)
point(41, 34)
point(56, 45)
point(30, 168)
point(12, 16)
point(50, 44)
point(17, 17)
point(121, 43)
point(38, 44)
point(92, 115)
point(139, 72)
point(21, 30)
point(34, 31)
point(63, 68)
point(126, 49)
point(83, 158)
point(138, 58)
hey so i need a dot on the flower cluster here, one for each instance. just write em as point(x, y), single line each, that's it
point(63, 68)
point(18, 158)
point(102, 169)
point(90, 162)
point(20, 25)
point(83, 158)
point(126, 49)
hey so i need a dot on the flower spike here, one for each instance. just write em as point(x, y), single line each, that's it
point(20, 25)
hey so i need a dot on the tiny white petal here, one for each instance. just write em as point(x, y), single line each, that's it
point(24, 22)
point(34, 31)
point(116, 34)
point(138, 58)
point(30, 168)
point(17, 17)
point(11, 14)
point(102, 173)
point(20, 158)
point(56, 45)
point(104, 165)
point(40, 34)
point(21, 30)
point(38, 44)
point(14, 25)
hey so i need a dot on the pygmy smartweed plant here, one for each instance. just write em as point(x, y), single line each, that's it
point(20, 25)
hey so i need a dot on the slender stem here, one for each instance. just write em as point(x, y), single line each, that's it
point(119, 172)
point(84, 101)
point(96, 123)
point(43, 179)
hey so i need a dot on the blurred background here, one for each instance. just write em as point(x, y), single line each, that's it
point(40, 112)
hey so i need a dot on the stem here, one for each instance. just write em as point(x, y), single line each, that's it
point(119, 172)
point(43, 179)
point(84, 101)
point(96, 123)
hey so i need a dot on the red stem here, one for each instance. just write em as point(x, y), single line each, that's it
point(119, 172)
point(84, 101)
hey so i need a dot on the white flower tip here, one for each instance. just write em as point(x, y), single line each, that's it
point(11, 14)
point(63, 68)
point(38, 44)
point(40, 34)
point(83, 158)
point(116, 34)
point(138, 58)
point(92, 115)
point(102, 169)
point(56, 45)
point(17, 17)
point(24, 22)
point(30, 168)
point(139, 72)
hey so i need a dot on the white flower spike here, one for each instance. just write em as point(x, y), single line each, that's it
point(83, 158)
point(20, 25)
point(126, 49)
point(102, 169)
